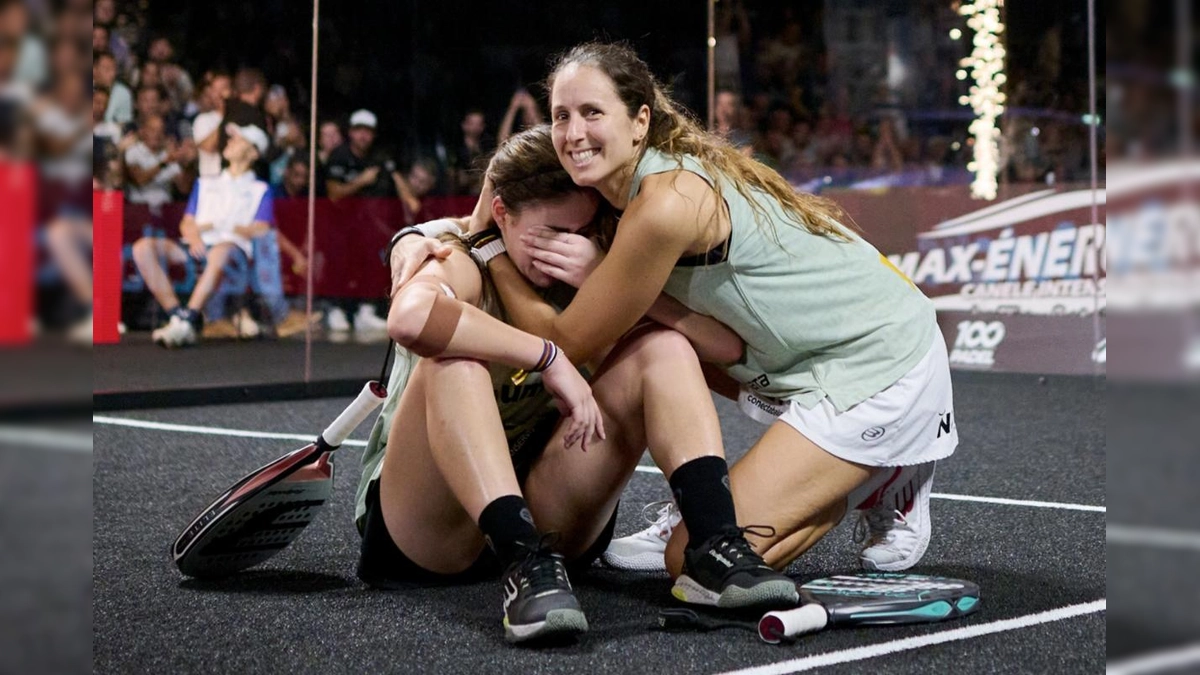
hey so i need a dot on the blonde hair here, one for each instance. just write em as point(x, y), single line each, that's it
point(676, 133)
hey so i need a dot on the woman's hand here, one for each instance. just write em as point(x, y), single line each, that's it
point(574, 399)
point(567, 257)
point(410, 253)
point(481, 217)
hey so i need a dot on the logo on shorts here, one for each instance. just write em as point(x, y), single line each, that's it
point(873, 434)
point(760, 382)
point(944, 422)
point(976, 343)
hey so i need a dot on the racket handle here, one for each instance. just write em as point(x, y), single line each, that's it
point(368, 399)
point(775, 626)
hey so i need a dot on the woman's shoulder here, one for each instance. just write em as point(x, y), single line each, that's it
point(673, 201)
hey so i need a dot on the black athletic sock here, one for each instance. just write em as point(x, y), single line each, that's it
point(701, 489)
point(505, 522)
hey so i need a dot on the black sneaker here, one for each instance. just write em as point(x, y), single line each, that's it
point(538, 600)
point(725, 572)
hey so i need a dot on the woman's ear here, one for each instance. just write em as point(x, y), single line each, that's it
point(641, 124)
point(499, 213)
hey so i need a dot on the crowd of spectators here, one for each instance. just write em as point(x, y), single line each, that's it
point(829, 95)
point(790, 91)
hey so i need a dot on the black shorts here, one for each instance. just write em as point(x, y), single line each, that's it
point(383, 565)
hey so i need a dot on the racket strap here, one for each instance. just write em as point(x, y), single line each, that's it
point(387, 360)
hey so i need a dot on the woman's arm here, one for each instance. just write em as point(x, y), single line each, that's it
point(713, 341)
point(429, 323)
point(419, 313)
point(662, 224)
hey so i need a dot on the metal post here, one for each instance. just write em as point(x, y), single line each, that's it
point(312, 198)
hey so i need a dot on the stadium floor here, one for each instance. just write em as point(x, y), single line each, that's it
point(1020, 509)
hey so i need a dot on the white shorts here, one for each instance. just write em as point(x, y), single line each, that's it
point(910, 422)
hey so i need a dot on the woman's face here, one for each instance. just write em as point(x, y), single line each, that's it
point(571, 213)
point(593, 134)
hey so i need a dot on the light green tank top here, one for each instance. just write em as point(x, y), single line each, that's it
point(821, 317)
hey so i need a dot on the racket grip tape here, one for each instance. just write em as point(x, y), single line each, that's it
point(775, 626)
point(371, 396)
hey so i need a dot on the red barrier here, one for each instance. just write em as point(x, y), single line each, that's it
point(1016, 281)
point(107, 232)
point(18, 195)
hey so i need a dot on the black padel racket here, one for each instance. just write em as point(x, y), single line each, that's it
point(875, 598)
point(262, 513)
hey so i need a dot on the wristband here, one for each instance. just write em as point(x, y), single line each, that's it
point(486, 245)
point(550, 353)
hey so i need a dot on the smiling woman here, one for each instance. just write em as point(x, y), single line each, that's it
point(839, 341)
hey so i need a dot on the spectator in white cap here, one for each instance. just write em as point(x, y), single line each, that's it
point(358, 169)
point(224, 214)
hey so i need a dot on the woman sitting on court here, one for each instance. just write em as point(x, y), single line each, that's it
point(478, 463)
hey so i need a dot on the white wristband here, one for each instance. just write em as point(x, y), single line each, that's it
point(484, 254)
point(435, 228)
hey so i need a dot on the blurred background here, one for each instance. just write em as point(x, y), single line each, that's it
point(968, 140)
point(914, 115)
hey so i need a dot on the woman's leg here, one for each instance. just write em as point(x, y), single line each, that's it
point(448, 486)
point(790, 484)
point(648, 380)
point(645, 381)
point(424, 517)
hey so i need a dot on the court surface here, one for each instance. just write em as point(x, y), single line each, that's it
point(1020, 509)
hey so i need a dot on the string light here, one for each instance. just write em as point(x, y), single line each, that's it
point(986, 68)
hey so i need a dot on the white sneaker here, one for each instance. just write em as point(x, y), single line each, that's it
point(247, 327)
point(643, 551)
point(178, 332)
point(894, 525)
point(337, 320)
point(81, 333)
point(367, 320)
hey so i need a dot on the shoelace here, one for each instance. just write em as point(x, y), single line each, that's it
point(734, 545)
point(541, 569)
point(877, 523)
point(664, 510)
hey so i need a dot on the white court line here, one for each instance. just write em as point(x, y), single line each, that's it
point(1165, 661)
point(973, 498)
point(1151, 536)
point(908, 644)
point(218, 431)
point(47, 439)
point(210, 431)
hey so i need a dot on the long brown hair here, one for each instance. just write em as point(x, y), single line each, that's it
point(675, 132)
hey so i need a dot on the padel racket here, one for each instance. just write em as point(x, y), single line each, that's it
point(877, 598)
point(262, 513)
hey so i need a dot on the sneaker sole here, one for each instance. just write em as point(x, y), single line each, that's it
point(767, 594)
point(639, 562)
point(558, 623)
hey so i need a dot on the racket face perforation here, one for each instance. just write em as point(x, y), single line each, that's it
point(246, 527)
